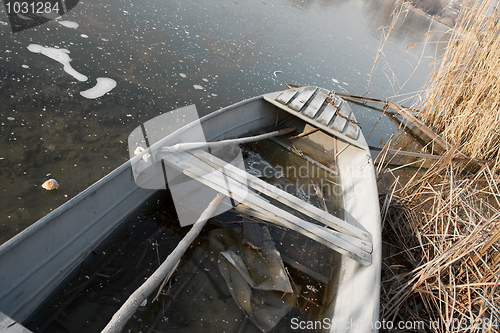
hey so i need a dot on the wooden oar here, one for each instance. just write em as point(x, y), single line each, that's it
point(128, 309)
point(200, 145)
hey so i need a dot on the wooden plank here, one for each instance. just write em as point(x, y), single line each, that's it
point(317, 102)
point(339, 122)
point(217, 144)
point(286, 96)
point(287, 198)
point(304, 96)
point(327, 115)
point(352, 129)
point(337, 241)
point(327, 237)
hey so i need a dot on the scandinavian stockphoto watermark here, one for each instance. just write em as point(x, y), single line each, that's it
point(328, 324)
point(181, 172)
point(455, 324)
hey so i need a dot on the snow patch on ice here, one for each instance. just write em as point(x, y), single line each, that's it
point(103, 86)
point(59, 55)
point(68, 24)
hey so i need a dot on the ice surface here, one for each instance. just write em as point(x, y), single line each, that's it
point(103, 86)
point(68, 24)
point(59, 55)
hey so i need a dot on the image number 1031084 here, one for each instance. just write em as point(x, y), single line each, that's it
point(26, 14)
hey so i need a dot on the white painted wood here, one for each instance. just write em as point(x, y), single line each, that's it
point(299, 101)
point(327, 115)
point(213, 178)
point(339, 122)
point(360, 142)
point(286, 96)
point(286, 198)
point(352, 129)
point(217, 144)
point(312, 109)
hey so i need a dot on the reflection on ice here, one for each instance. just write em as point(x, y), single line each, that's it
point(103, 86)
point(59, 55)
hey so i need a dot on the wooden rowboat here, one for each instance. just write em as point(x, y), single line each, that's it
point(325, 137)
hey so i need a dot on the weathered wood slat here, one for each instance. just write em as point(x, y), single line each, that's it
point(318, 100)
point(327, 115)
point(342, 243)
point(352, 129)
point(286, 96)
point(339, 122)
point(330, 238)
point(287, 198)
point(298, 103)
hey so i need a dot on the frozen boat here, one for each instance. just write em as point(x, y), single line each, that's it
point(338, 225)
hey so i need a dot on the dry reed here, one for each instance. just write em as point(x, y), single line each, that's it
point(442, 225)
point(463, 99)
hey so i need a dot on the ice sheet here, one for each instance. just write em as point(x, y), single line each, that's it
point(103, 86)
point(59, 55)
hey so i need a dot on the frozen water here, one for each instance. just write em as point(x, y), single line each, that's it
point(68, 24)
point(59, 55)
point(103, 86)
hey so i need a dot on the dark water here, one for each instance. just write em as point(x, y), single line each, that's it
point(230, 48)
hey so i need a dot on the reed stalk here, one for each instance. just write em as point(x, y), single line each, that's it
point(442, 227)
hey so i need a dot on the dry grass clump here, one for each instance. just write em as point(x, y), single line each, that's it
point(442, 223)
point(463, 99)
point(445, 230)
